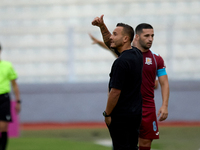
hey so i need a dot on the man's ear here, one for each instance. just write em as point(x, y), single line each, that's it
point(136, 36)
point(126, 38)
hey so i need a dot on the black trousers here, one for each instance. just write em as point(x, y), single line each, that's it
point(124, 132)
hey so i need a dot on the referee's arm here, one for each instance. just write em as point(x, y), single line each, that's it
point(17, 94)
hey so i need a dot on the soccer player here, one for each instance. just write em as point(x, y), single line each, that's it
point(153, 65)
point(123, 112)
point(7, 75)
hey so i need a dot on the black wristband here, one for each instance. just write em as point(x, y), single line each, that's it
point(19, 101)
point(105, 114)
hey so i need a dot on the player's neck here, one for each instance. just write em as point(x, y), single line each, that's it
point(145, 50)
point(124, 48)
point(142, 49)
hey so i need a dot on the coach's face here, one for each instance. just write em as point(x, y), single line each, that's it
point(117, 38)
point(146, 38)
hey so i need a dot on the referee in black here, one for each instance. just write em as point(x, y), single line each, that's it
point(123, 112)
point(7, 76)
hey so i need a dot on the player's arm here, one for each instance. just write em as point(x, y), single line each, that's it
point(102, 44)
point(164, 84)
point(17, 94)
point(96, 41)
point(98, 21)
point(111, 103)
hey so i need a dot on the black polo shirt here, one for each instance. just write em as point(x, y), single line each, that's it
point(126, 75)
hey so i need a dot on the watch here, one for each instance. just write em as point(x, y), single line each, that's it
point(105, 114)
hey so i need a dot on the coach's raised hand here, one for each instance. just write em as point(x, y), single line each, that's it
point(98, 21)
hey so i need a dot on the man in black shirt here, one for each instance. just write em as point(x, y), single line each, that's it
point(123, 112)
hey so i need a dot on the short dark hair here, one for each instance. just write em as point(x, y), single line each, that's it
point(127, 30)
point(142, 26)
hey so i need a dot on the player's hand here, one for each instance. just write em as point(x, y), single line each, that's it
point(18, 107)
point(108, 120)
point(95, 41)
point(98, 21)
point(163, 113)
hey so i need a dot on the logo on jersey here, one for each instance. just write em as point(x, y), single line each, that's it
point(154, 126)
point(148, 61)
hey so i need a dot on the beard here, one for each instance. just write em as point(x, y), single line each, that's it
point(114, 49)
point(146, 47)
point(143, 45)
point(115, 46)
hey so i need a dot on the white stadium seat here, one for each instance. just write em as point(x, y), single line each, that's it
point(52, 36)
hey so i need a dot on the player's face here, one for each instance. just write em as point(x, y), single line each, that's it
point(146, 38)
point(117, 38)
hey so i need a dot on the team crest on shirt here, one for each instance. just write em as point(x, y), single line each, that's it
point(148, 61)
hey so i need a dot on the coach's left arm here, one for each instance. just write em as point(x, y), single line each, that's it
point(164, 84)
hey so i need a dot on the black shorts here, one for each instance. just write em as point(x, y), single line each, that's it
point(5, 113)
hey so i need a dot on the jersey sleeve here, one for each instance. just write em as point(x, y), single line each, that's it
point(161, 71)
point(12, 73)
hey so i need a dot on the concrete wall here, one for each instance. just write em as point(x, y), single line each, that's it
point(87, 101)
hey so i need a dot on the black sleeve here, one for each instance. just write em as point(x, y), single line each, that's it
point(118, 74)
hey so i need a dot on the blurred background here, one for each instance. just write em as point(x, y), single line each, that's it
point(63, 77)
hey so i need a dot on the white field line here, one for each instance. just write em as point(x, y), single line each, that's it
point(108, 143)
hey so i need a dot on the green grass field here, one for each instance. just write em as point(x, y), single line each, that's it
point(171, 138)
